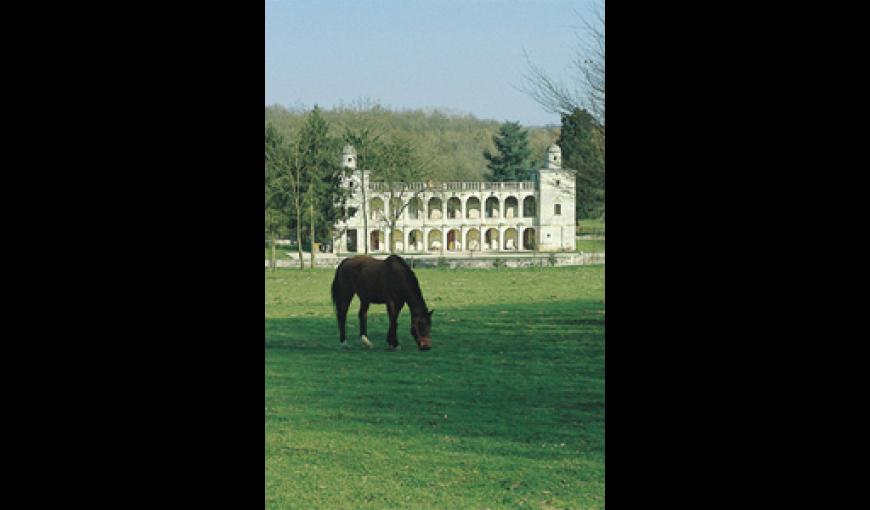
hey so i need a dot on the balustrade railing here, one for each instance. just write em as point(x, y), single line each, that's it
point(456, 186)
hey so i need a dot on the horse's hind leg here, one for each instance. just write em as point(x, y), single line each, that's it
point(363, 318)
point(393, 310)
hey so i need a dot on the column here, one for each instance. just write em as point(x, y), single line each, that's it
point(443, 237)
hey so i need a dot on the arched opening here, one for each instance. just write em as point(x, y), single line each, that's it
point(511, 207)
point(351, 240)
point(491, 238)
point(376, 240)
point(434, 240)
point(491, 207)
point(510, 239)
point(415, 207)
point(434, 206)
point(395, 207)
point(529, 207)
point(376, 209)
point(454, 208)
point(472, 240)
point(415, 240)
point(398, 245)
point(529, 239)
point(472, 208)
point(454, 240)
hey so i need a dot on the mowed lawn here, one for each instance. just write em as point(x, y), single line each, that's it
point(505, 411)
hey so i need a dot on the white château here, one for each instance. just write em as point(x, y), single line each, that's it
point(456, 218)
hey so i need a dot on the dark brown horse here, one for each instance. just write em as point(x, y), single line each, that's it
point(388, 281)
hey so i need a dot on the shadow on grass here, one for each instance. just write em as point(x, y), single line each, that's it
point(529, 374)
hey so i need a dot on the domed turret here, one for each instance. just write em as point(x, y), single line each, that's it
point(348, 157)
point(554, 157)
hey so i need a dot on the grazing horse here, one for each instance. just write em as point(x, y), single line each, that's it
point(388, 281)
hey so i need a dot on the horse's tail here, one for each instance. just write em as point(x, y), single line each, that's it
point(335, 283)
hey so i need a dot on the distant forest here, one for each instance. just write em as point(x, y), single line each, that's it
point(452, 144)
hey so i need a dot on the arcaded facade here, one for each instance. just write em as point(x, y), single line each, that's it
point(462, 218)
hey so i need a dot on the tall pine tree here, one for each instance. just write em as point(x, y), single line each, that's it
point(582, 143)
point(277, 189)
point(319, 158)
point(513, 160)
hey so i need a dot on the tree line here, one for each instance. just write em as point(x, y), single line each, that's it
point(409, 146)
point(304, 195)
point(452, 143)
point(303, 172)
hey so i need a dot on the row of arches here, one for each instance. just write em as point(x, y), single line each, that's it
point(435, 208)
point(453, 242)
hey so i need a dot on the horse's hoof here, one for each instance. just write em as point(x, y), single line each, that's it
point(365, 342)
point(345, 346)
point(394, 348)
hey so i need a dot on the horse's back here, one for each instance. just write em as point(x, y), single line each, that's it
point(372, 279)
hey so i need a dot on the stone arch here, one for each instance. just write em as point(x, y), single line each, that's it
point(376, 209)
point(415, 208)
point(492, 206)
point(376, 240)
point(398, 245)
point(415, 240)
point(454, 208)
point(352, 244)
point(529, 239)
point(435, 208)
point(491, 239)
point(454, 240)
point(529, 207)
point(472, 240)
point(434, 241)
point(510, 239)
point(511, 207)
point(472, 209)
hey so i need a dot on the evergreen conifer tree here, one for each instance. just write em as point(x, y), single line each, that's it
point(582, 144)
point(513, 159)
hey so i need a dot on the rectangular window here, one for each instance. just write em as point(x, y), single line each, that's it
point(557, 209)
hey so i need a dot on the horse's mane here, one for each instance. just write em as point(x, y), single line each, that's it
point(411, 277)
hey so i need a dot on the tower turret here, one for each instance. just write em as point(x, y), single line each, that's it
point(554, 156)
point(348, 157)
point(556, 200)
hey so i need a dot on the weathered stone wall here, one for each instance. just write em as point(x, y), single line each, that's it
point(482, 262)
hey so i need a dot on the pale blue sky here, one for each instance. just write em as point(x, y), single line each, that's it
point(461, 55)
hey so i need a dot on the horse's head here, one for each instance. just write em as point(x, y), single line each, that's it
point(421, 328)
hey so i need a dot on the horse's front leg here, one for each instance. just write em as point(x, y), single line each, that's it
point(341, 311)
point(363, 317)
point(393, 309)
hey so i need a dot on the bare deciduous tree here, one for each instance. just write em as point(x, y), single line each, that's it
point(400, 173)
point(588, 64)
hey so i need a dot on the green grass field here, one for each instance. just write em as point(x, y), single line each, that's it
point(590, 245)
point(595, 227)
point(283, 253)
point(506, 410)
